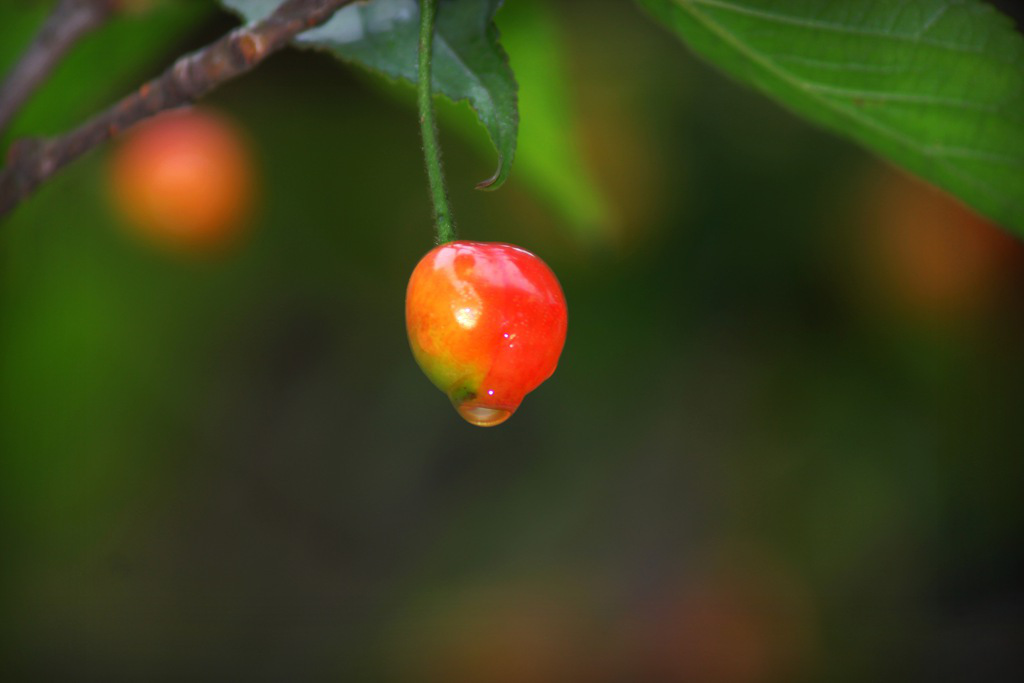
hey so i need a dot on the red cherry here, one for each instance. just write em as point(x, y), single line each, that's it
point(486, 323)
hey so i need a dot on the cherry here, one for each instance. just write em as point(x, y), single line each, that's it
point(183, 179)
point(486, 323)
point(930, 257)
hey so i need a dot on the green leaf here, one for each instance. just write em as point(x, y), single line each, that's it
point(937, 86)
point(469, 62)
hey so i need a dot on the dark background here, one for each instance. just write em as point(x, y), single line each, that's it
point(784, 441)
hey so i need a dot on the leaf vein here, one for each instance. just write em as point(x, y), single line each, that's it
point(907, 98)
point(843, 66)
point(830, 26)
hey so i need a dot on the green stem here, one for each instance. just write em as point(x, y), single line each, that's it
point(431, 148)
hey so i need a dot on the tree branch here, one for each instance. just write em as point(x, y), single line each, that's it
point(31, 162)
point(68, 22)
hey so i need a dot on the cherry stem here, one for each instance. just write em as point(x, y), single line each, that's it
point(431, 147)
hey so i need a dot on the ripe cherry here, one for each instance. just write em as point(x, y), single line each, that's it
point(487, 324)
point(183, 179)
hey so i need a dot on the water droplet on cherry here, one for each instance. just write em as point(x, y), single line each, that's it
point(482, 416)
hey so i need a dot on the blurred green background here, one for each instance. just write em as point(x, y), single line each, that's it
point(784, 442)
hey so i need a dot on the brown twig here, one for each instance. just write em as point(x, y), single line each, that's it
point(68, 22)
point(31, 162)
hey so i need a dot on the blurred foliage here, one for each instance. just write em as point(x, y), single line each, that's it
point(766, 456)
point(549, 157)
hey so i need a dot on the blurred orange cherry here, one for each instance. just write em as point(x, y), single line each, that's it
point(184, 179)
point(931, 255)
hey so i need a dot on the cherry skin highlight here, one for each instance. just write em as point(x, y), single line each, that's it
point(486, 323)
point(183, 179)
